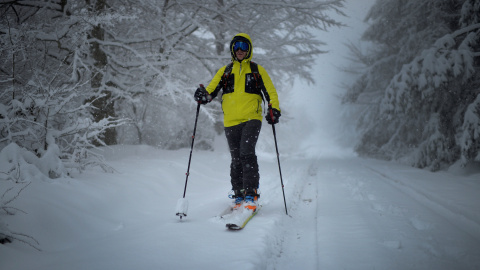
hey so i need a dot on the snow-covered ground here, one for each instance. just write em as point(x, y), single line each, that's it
point(345, 212)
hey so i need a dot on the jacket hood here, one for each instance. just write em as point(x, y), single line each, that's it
point(245, 38)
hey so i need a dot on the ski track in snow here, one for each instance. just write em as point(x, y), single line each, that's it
point(344, 213)
point(381, 221)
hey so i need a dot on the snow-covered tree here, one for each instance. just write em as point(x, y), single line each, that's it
point(427, 84)
point(45, 85)
point(70, 70)
point(469, 140)
point(137, 60)
point(158, 59)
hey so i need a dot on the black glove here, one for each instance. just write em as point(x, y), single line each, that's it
point(201, 95)
point(272, 116)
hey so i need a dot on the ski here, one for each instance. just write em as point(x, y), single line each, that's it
point(225, 212)
point(241, 220)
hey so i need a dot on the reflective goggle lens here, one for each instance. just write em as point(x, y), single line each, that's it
point(240, 45)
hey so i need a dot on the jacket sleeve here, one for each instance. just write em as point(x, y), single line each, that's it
point(272, 92)
point(212, 88)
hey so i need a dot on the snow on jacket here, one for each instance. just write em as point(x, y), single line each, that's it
point(242, 104)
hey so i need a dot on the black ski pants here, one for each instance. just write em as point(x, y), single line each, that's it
point(242, 140)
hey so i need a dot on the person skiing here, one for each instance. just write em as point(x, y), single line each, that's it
point(243, 83)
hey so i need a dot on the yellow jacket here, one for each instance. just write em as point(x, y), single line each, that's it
point(239, 105)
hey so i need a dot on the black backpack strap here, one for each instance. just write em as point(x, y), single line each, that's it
point(222, 84)
point(259, 82)
point(226, 74)
point(260, 87)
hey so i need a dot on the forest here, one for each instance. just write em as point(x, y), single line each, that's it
point(79, 76)
point(76, 75)
point(417, 97)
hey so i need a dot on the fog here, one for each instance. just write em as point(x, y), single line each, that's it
point(315, 108)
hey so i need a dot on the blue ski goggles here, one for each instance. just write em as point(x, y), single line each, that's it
point(240, 45)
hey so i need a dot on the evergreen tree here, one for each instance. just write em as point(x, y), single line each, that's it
point(421, 80)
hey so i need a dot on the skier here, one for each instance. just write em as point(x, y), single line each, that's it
point(241, 104)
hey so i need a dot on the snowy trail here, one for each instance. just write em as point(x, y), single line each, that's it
point(344, 213)
point(372, 215)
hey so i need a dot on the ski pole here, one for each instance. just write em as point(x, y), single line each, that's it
point(278, 156)
point(182, 203)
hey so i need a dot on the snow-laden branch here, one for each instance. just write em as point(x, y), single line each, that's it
point(465, 30)
point(431, 69)
point(470, 137)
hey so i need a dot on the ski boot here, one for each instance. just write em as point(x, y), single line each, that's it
point(239, 196)
point(251, 199)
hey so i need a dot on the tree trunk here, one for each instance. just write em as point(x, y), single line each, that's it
point(104, 106)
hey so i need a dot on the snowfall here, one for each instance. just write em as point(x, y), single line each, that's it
point(344, 211)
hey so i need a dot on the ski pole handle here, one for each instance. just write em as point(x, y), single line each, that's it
point(202, 95)
point(270, 110)
point(202, 87)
